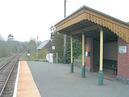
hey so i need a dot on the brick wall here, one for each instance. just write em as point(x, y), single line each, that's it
point(123, 61)
point(89, 49)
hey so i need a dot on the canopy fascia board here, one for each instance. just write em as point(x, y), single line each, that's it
point(119, 27)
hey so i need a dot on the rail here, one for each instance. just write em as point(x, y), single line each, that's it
point(7, 69)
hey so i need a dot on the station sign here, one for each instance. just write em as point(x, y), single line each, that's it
point(53, 47)
point(122, 49)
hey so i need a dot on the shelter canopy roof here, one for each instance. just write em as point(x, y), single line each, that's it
point(86, 16)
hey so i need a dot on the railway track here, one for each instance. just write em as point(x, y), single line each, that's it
point(8, 73)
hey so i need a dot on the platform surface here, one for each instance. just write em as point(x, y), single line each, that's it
point(55, 80)
point(26, 85)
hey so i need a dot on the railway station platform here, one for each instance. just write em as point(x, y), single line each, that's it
point(26, 86)
point(55, 80)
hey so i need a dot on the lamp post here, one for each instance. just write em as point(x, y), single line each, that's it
point(64, 8)
point(65, 37)
point(53, 46)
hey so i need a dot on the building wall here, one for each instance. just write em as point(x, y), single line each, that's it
point(123, 61)
point(111, 52)
point(89, 57)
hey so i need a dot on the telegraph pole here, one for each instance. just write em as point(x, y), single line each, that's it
point(64, 8)
point(65, 37)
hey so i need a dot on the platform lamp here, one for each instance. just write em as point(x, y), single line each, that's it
point(65, 37)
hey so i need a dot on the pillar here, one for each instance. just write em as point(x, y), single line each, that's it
point(83, 56)
point(72, 66)
point(101, 75)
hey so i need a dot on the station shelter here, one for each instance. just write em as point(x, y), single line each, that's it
point(104, 39)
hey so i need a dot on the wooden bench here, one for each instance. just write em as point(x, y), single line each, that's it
point(109, 64)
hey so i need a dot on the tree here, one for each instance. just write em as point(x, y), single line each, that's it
point(42, 53)
point(57, 41)
point(76, 49)
point(8, 48)
point(31, 48)
point(10, 37)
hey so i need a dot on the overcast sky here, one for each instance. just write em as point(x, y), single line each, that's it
point(26, 19)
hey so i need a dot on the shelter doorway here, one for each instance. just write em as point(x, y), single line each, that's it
point(110, 53)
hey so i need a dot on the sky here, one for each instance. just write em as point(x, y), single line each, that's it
point(27, 19)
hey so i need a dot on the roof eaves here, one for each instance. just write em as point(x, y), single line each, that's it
point(96, 11)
